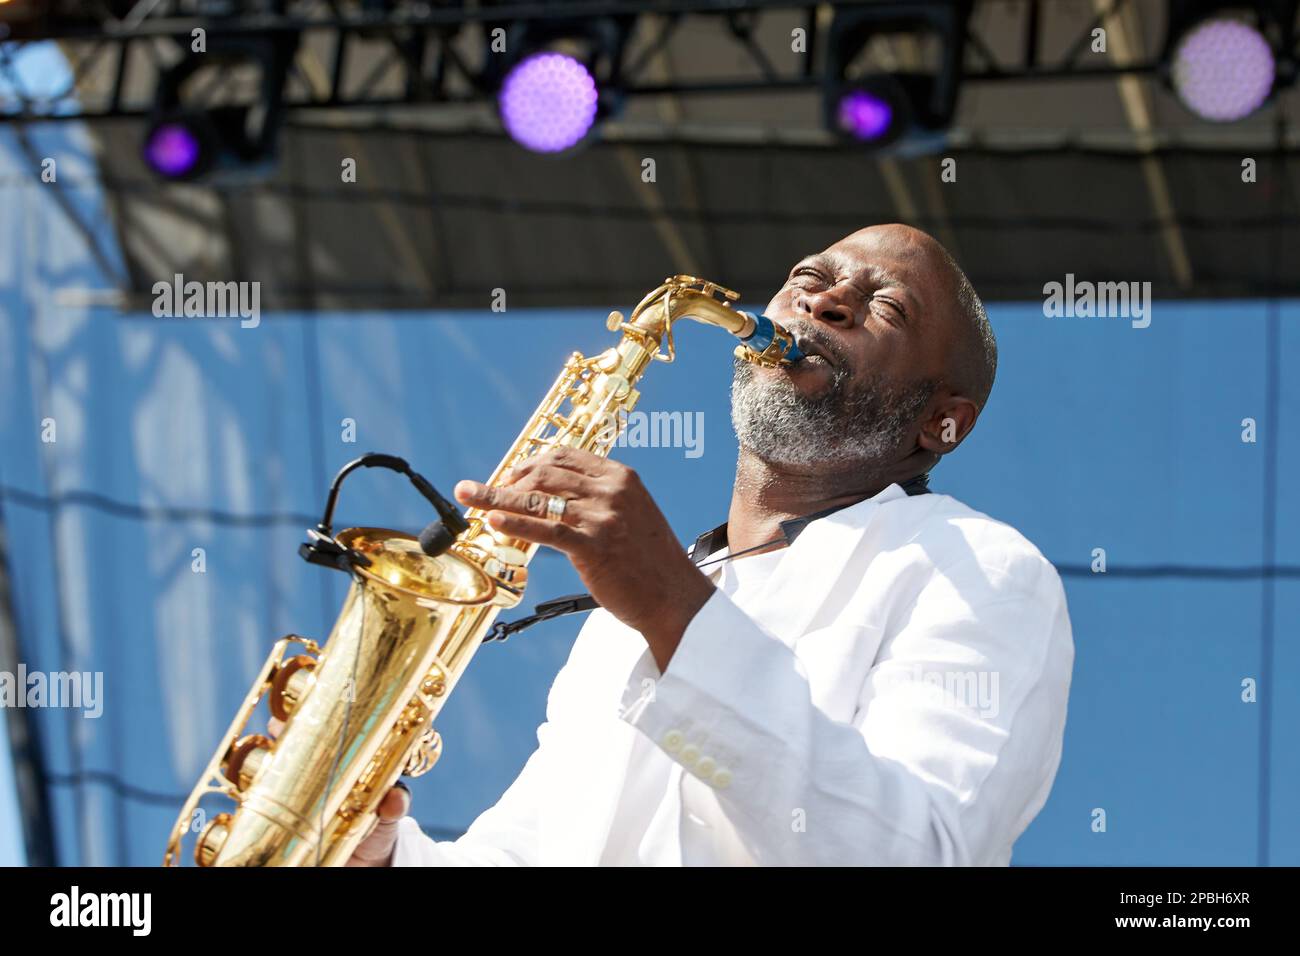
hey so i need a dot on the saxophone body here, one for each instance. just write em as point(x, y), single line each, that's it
point(358, 711)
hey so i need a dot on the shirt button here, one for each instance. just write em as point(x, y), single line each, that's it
point(704, 769)
point(673, 741)
point(690, 753)
point(722, 779)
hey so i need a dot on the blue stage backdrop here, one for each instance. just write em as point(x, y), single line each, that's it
point(185, 434)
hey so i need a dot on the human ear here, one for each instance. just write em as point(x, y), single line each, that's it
point(950, 422)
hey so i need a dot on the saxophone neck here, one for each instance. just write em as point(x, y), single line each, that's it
point(686, 297)
point(586, 406)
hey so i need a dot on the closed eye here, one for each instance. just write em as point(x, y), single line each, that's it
point(807, 272)
point(891, 307)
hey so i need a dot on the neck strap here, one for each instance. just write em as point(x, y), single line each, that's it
point(715, 540)
point(705, 544)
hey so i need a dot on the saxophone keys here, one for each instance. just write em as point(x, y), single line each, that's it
point(246, 758)
point(212, 839)
point(509, 555)
point(290, 684)
point(434, 683)
point(425, 755)
point(760, 359)
point(614, 321)
point(414, 717)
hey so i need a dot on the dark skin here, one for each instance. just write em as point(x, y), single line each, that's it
point(881, 295)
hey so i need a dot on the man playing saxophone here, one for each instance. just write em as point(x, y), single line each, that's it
point(860, 673)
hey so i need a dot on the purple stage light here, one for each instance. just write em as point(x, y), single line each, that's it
point(865, 115)
point(548, 102)
point(1223, 70)
point(172, 150)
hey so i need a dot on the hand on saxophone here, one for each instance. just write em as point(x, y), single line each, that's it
point(377, 848)
point(613, 533)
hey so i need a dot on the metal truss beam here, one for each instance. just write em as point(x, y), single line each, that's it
point(414, 53)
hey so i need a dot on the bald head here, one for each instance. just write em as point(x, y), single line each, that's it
point(975, 359)
point(971, 353)
point(900, 359)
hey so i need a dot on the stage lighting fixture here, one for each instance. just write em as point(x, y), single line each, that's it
point(557, 79)
point(865, 115)
point(177, 148)
point(1223, 70)
point(874, 108)
point(1225, 60)
point(548, 102)
point(187, 138)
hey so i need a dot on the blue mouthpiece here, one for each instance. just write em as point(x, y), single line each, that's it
point(763, 335)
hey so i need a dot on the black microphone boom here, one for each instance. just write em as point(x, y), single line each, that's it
point(435, 539)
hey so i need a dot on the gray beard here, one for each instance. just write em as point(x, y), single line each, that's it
point(847, 424)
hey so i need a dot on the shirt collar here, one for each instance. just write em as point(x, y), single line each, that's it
point(713, 541)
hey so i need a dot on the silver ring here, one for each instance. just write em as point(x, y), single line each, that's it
point(555, 506)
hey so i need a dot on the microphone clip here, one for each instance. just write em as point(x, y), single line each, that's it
point(322, 548)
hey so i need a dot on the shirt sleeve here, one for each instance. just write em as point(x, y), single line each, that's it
point(925, 773)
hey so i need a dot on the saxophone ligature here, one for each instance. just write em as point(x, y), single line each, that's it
point(358, 710)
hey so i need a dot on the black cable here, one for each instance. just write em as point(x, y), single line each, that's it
point(105, 505)
point(115, 783)
point(128, 791)
point(1206, 572)
point(321, 546)
point(578, 603)
point(121, 509)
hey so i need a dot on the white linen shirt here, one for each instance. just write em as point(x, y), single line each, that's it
point(889, 690)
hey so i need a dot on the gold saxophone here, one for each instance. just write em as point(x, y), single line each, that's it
point(358, 711)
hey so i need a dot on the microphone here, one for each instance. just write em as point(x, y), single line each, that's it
point(435, 539)
point(439, 535)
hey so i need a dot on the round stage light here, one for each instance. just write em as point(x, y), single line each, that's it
point(173, 150)
point(1223, 70)
point(871, 111)
point(865, 115)
point(548, 102)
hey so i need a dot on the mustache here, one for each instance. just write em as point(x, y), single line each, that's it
point(803, 333)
